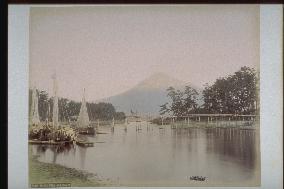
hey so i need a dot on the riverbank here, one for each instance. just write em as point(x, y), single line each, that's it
point(214, 124)
point(43, 173)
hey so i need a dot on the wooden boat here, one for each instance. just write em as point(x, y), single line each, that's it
point(197, 178)
point(87, 131)
point(84, 143)
point(100, 132)
point(83, 120)
point(51, 142)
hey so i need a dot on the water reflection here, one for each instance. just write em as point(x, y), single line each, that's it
point(233, 143)
point(82, 152)
point(153, 155)
point(52, 151)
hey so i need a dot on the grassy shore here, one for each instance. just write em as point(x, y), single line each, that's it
point(41, 173)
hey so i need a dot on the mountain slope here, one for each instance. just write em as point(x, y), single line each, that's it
point(147, 96)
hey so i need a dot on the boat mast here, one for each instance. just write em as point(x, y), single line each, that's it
point(47, 114)
point(55, 103)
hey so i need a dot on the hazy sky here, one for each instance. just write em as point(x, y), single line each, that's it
point(109, 49)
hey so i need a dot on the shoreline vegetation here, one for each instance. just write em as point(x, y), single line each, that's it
point(236, 94)
point(42, 173)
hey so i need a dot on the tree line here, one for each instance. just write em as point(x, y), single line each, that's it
point(234, 94)
point(70, 109)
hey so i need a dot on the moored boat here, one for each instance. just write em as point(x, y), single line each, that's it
point(83, 122)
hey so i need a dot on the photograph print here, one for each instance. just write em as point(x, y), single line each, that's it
point(144, 95)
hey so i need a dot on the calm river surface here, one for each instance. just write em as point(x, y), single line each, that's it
point(165, 157)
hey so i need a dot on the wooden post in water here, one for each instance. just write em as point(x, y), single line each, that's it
point(187, 121)
point(125, 124)
point(147, 123)
point(112, 126)
point(229, 121)
point(136, 125)
point(151, 125)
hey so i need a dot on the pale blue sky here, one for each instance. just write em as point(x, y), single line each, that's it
point(109, 49)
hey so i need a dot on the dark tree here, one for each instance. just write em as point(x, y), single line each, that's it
point(43, 105)
point(181, 102)
point(176, 105)
point(235, 94)
point(63, 109)
point(164, 109)
point(119, 116)
point(69, 109)
point(189, 100)
point(102, 111)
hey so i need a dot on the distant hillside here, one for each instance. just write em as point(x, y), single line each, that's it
point(147, 96)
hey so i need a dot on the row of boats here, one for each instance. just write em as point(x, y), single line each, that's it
point(54, 132)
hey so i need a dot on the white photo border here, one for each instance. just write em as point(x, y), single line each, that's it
point(271, 99)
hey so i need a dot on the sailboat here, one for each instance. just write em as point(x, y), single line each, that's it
point(83, 121)
point(46, 134)
point(66, 134)
point(34, 115)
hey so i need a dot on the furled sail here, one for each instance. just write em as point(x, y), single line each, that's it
point(34, 115)
point(55, 103)
point(83, 119)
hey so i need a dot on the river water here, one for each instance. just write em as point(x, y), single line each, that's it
point(165, 157)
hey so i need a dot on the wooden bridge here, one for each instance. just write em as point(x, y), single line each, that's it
point(218, 119)
point(211, 117)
